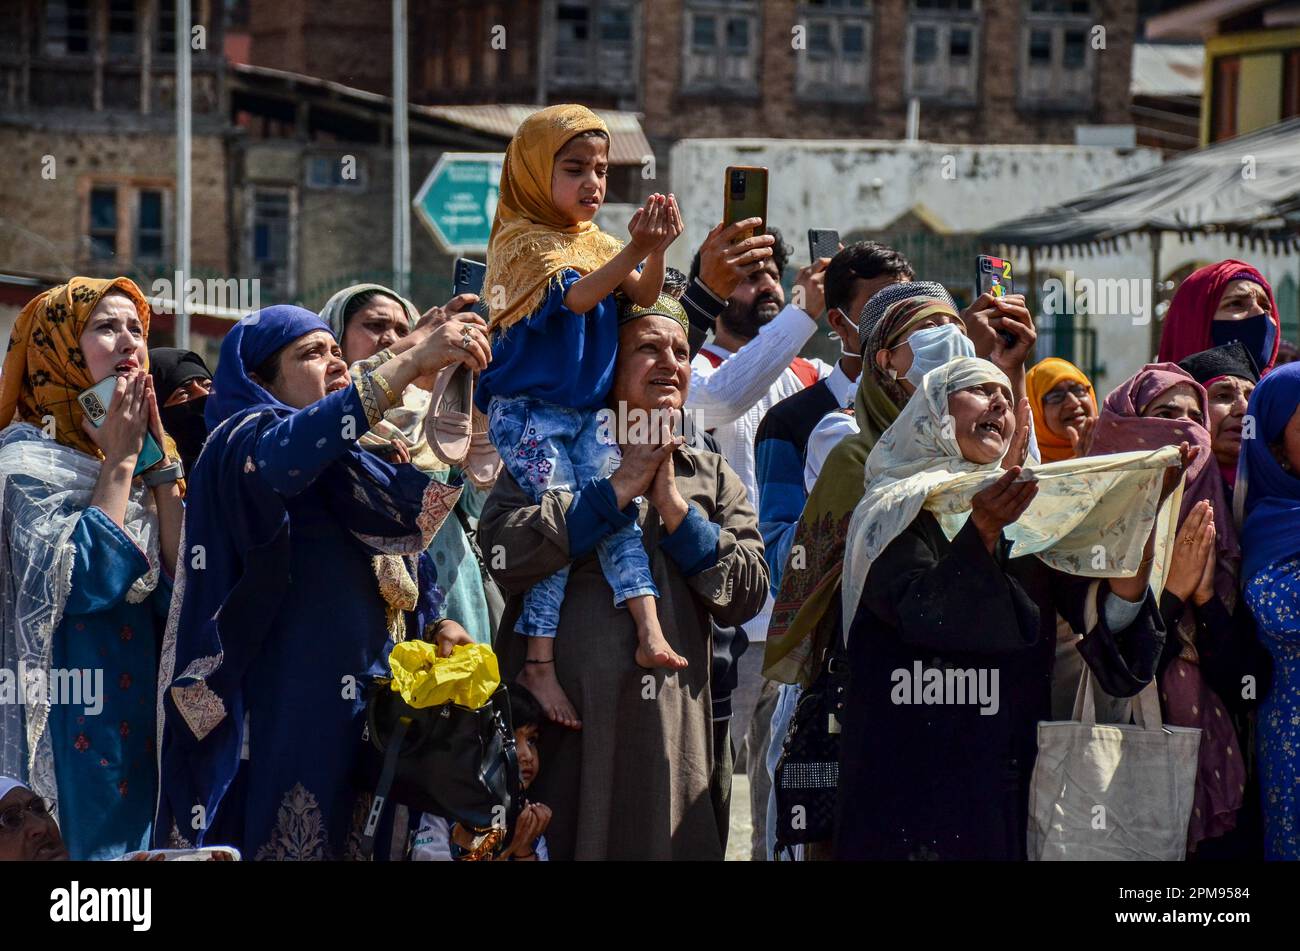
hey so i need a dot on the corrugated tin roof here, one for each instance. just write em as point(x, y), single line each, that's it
point(628, 144)
point(1247, 185)
point(1161, 69)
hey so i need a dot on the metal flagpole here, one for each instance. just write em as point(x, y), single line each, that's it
point(401, 158)
point(183, 134)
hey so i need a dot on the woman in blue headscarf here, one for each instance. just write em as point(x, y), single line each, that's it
point(292, 588)
point(1268, 487)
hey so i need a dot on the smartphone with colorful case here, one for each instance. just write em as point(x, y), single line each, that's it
point(993, 276)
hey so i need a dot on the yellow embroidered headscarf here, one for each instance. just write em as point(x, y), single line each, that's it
point(1040, 381)
point(531, 241)
point(44, 368)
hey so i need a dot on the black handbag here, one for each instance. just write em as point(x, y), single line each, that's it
point(807, 774)
point(448, 760)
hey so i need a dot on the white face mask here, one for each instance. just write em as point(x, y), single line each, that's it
point(935, 346)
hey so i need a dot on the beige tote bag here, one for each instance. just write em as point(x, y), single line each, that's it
point(1111, 791)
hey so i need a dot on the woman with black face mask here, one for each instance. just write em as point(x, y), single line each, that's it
point(182, 382)
point(1218, 304)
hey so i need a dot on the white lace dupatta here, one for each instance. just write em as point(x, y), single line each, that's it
point(1091, 517)
point(44, 488)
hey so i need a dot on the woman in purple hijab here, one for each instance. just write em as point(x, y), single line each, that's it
point(1212, 648)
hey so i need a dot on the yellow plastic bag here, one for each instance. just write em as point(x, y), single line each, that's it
point(468, 677)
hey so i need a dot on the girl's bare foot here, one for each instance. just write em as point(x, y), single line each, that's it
point(652, 647)
point(540, 679)
point(653, 651)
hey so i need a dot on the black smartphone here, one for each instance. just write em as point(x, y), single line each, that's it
point(467, 278)
point(745, 197)
point(993, 276)
point(822, 243)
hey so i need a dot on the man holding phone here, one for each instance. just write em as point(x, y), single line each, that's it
point(753, 363)
point(784, 444)
point(725, 260)
point(798, 433)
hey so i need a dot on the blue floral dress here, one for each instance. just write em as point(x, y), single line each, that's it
point(1274, 598)
point(103, 742)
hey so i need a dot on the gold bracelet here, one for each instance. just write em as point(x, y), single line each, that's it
point(383, 385)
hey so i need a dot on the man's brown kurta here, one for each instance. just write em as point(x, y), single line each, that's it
point(633, 783)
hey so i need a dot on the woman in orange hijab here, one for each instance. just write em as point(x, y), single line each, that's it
point(85, 550)
point(1064, 407)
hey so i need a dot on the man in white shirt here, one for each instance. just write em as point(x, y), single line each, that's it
point(753, 363)
point(787, 443)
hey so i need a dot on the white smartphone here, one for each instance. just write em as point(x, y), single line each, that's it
point(96, 401)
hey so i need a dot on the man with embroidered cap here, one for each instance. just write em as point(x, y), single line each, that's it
point(636, 782)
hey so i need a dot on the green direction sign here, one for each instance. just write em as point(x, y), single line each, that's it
point(459, 198)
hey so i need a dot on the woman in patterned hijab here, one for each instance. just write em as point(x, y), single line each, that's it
point(87, 549)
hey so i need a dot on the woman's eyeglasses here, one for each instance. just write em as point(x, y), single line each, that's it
point(12, 819)
point(1057, 397)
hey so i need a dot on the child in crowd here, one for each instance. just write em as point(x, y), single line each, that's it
point(550, 286)
point(437, 840)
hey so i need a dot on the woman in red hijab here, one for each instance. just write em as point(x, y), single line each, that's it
point(1218, 304)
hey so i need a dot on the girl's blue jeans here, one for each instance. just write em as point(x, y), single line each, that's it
point(547, 446)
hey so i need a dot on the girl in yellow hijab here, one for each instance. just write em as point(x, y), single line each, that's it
point(85, 553)
point(1064, 407)
point(552, 275)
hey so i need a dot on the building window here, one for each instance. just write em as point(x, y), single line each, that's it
point(943, 50)
point(835, 61)
point(149, 226)
point(336, 171)
point(121, 27)
point(1057, 63)
point(103, 223)
point(595, 45)
point(722, 45)
point(269, 242)
point(165, 34)
point(165, 26)
point(67, 27)
point(127, 220)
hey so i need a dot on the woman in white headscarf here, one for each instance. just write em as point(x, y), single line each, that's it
point(369, 321)
point(951, 637)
